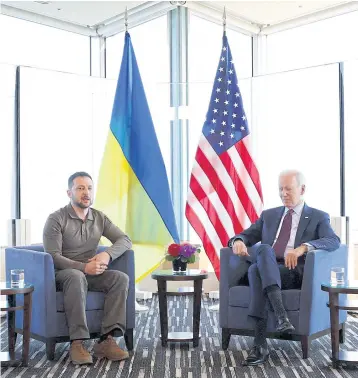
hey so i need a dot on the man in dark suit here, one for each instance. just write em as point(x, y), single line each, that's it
point(286, 234)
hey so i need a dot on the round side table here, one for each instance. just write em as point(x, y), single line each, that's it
point(11, 292)
point(162, 276)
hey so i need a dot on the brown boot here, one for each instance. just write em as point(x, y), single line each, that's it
point(79, 354)
point(110, 350)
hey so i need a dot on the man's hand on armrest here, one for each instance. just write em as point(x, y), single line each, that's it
point(239, 248)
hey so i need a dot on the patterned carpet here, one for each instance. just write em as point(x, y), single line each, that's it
point(150, 360)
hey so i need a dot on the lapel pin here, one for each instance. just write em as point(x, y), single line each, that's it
point(306, 217)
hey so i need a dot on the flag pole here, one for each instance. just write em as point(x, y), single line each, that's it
point(224, 19)
point(126, 19)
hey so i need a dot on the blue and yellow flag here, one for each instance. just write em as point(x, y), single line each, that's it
point(133, 189)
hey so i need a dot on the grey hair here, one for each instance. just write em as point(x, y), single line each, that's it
point(299, 176)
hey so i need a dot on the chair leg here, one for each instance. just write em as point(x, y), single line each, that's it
point(305, 344)
point(342, 334)
point(50, 349)
point(128, 337)
point(225, 333)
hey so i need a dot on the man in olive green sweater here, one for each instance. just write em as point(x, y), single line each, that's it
point(71, 235)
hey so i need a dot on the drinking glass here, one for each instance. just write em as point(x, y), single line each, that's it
point(17, 278)
point(337, 275)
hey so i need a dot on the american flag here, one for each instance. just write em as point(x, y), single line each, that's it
point(224, 195)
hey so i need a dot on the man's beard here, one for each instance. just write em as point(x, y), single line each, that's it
point(81, 205)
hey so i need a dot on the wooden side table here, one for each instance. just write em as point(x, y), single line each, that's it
point(11, 292)
point(162, 276)
point(335, 304)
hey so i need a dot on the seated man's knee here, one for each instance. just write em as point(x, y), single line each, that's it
point(264, 249)
point(120, 278)
point(253, 270)
point(73, 277)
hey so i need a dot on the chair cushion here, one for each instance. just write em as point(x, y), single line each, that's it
point(95, 301)
point(239, 296)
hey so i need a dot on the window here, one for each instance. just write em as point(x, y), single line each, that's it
point(321, 42)
point(64, 126)
point(30, 44)
point(7, 148)
point(351, 151)
point(296, 125)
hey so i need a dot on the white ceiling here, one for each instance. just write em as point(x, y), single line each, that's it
point(85, 13)
point(90, 13)
point(271, 12)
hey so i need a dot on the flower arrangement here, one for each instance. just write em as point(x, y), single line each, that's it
point(183, 251)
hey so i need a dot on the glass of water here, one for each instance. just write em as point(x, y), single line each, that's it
point(337, 275)
point(17, 278)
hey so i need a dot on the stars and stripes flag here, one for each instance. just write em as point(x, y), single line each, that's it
point(224, 195)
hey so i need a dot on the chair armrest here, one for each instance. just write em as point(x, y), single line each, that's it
point(125, 263)
point(39, 271)
point(32, 247)
point(224, 285)
point(314, 313)
point(228, 277)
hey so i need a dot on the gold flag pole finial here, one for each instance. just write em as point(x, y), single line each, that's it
point(126, 19)
point(224, 19)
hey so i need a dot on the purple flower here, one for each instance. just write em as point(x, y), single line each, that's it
point(186, 250)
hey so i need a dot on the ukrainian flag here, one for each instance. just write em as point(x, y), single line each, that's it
point(133, 189)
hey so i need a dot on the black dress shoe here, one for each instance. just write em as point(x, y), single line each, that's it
point(257, 355)
point(284, 325)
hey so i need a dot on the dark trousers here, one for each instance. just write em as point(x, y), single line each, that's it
point(75, 284)
point(263, 270)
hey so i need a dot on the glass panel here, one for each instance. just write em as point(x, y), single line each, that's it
point(114, 52)
point(205, 41)
point(30, 44)
point(351, 151)
point(322, 42)
point(62, 131)
point(296, 125)
point(7, 147)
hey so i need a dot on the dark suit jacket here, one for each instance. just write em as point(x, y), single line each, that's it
point(314, 228)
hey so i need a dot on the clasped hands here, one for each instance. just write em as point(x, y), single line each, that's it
point(97, 264)
point(291, 257)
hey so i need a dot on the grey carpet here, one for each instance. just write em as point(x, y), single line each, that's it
point(150, 360)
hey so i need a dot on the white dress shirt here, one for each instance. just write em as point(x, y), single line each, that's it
point(296, 216)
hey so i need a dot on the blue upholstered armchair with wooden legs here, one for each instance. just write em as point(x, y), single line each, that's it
point(306, 308)
point(48, 322)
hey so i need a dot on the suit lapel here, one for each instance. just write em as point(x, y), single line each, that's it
point(302, 225)
point(276, 219)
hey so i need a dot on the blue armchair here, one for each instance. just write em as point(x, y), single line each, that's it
point(306, 308)
point(48, 317)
